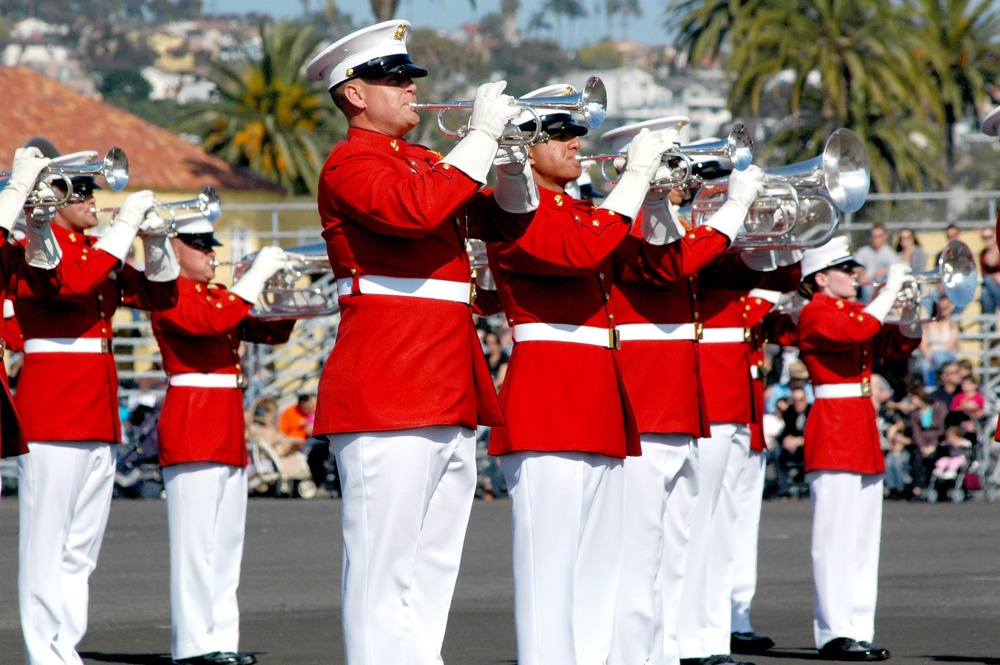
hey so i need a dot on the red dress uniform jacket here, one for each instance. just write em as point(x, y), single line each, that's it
point(663, 378)
point(202, 334)
point(390, 209)
point(17, 276)
point(773, 327)
point(838, 342)
point(567, 396)
point(723, 303)
point(74, 396)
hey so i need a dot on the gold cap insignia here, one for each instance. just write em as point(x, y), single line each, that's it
point(350, 72)
point(400, 32)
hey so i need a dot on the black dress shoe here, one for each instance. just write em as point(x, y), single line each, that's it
point(844, 648)
point(219, 658)
point(749, 643)
point(718, 659)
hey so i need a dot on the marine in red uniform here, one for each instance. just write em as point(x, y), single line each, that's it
point(202, 440)
point(406, 383)
point(66, 482)
point(839, 338)
point(28, 163)
point(659, 325)
point(569, 423)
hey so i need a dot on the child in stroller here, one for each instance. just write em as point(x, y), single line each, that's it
point(137, 475)
point(277, 464)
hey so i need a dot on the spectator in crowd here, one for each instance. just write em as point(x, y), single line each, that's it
point(790, 458)
point(909, 250)
point(897, 461)
point(950, 381)
point(798, 377)
point(875, 259)
point(940, 340)
point(989, 268)
point(263, 427)
point(296, 421)
point(952, 453)
point(496, 358)
point(970, 401)
point(927, 425)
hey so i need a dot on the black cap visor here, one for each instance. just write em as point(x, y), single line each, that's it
point(202, 241)
point(556, 123)
point(386, 65)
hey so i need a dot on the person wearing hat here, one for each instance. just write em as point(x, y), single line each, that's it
point(658, 325)
point(569, 422)
point(66, 483)
point(730, 301)
point(406, 383)
point(28, 164)
point(202, 439)
point(839, 338)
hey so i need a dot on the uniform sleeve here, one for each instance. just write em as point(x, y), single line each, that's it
point(262, 331)
point(730, 273)
point(86, 273)
point(139, 292)
point(488, 221)
point(562, 241)
point(892, 343)
point(780, 328)
point(202, 316)
point(828, 329)
point(639, 261)
point(372, 190)
point(26, 281)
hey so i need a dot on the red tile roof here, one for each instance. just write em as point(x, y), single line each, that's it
point(35, 105)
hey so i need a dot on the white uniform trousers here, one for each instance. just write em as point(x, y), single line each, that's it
point(749, 496)
point(567, 528)
point(206, 520)
point(713, 458)
point(846, 535)
point(64, 496)
point(662, 486)
point(407, 496)
point(722, 553)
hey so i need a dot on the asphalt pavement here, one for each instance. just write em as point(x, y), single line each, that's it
point(939, 592)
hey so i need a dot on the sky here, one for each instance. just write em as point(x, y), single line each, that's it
point(450, 14)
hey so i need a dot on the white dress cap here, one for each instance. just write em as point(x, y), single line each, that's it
point(553, 120)
point(373, 52)
point(991, 123)
point(835, 252)
point(670, 125)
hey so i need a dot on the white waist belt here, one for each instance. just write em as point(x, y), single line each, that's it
point(562, 332)
point(659, 332)
point(434, 289)
point(719, 335)
point(207, 380)
point(836, 390)
point(756, 372)
point(67, 345)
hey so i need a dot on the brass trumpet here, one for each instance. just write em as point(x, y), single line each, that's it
point(208, 203)
point(281, 299)
point(592, 103)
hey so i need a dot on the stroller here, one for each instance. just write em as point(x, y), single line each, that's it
point(961, 469)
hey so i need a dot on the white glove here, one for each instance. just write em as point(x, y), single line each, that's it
point(41, 249)
point(492, 110)
point(28, 163)
point(153, 225)
point(660, 224)
point(881, 305)
point(134, 209)
point(251, 283)
point(515, 190)
point(744, 187)
point(160, 261)
point(643, 159)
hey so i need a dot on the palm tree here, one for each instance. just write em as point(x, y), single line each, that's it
point(269, 116)
point(702, 25)
point(959, 55)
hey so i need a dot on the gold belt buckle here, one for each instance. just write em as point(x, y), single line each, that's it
point(698, 328)
point(105, 345)
point(614, 338)
point(866, 388)
point(240, 381)
point(472, 292)
point(746, 334)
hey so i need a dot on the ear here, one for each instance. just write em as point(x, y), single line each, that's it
point(354, 93)
point(821, 281)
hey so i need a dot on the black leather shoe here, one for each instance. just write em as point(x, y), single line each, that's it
point(718, 659)
point(844, 648)
point(749, 643)
point(219, 658)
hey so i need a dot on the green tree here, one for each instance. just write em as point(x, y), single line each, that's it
point(124, 83)
point(604, 55)
point(269, 116)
